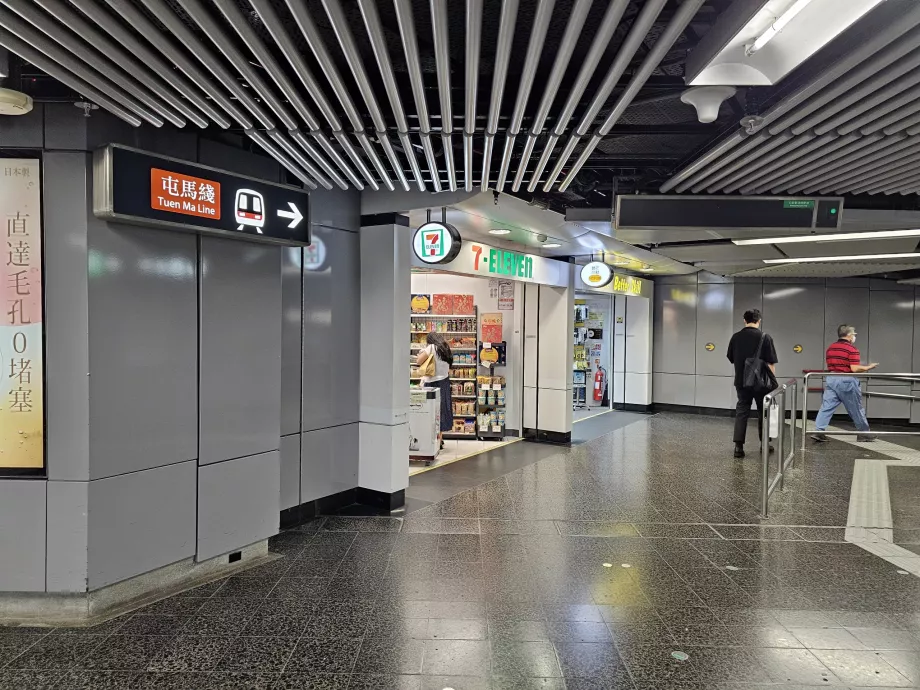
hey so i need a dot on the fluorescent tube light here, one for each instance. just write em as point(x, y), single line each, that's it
point(551, 245)
point(852, 257)
point(776, 27)
point(834, 237)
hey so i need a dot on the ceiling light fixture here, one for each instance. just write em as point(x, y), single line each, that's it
point(551, 245)
point(834, 237)
point(852, 257)
point(646, 269)
point(776, 27)
point(499, 231)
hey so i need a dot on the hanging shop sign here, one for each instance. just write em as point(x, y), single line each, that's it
point(141, 188)
point(477, 259)
point(619, 284)
point(436, 243)
point(596, 274)
point(22, 417)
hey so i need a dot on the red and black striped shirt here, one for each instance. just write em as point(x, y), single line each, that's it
point(841, 355)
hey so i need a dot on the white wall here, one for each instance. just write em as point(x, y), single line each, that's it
point(446, 283)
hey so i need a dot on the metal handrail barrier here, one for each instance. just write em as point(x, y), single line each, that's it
point(785, 462)
point(866, 375)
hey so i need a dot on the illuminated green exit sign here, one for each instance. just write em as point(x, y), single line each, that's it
point(799, 203)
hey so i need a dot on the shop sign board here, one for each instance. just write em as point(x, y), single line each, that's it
point(619, 284)
point(596, 274)
point(22, 418)
point(436, 243)
point(478, 259)
point(141, 188)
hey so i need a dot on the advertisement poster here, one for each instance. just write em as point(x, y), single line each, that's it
point(505, 295)
point(492, 328)
point(21, 335)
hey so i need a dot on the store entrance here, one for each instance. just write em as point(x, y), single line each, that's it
point(592, 375)
point(478, 319)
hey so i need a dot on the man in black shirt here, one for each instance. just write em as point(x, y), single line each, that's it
point(743, 345)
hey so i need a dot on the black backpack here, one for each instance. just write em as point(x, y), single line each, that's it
point(757, 375)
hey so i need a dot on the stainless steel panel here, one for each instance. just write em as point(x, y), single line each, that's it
point(23, 131)
point(704, 277)
point(674, 389)
point(240, 370)
point(748, 295)
point(890, 330)
point(238, 503)
point(332, 333)
point(889, 285)
point(65, 128)
point(675, 328)
point(531, 337)
point(793, 315)
point(142, 348)
point(291, 338)
point(328, 461)
point(290, 471)
point(336, 208)
point(887, 408)
point(22, 535)
point(68, 536)
point(848, 305)
point(65, 178)
point(715, 391)
point(233, 159)
point(915, 357)
point(139, 522)
point(714, 325)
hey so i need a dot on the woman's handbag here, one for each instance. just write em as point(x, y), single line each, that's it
point(426, 368)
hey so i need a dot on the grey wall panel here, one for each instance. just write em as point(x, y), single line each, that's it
point(329, 461)
point(748, 295)
point(674, 389)
point(238, 503)
point(140, 521)
point(887, 408)
point(793, 315)
point(219, 155)
point(331, 333)
point(715, 391)
point(171, 141)
point(66, 180)
point(714, 325)
point(291, 338)
point(847, 305)
point(290, 471)
point(684, 279)
point(22, 535)
point(240, 370)
point(68, 536)
point(65, 127)
point(705, 277)
point(889, 285)
point(675, 329)
point(142, 348)
point(23, 131)
point(336, 208)
point(890, 330)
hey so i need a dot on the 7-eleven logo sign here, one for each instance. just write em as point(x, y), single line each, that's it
point(436, 243)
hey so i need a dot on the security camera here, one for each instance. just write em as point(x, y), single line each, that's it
point(495, 196)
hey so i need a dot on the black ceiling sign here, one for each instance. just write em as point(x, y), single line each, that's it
point(136, 187)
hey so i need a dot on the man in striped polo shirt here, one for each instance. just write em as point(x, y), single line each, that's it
point(843, 357)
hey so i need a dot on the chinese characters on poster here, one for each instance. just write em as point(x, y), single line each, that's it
point(21, 338)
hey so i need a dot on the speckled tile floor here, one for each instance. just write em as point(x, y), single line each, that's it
point(635, 560)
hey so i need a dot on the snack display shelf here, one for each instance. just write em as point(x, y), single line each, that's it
point(442, 316)
point(445, 332)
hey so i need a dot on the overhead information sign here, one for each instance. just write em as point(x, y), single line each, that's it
point(22, 415)
point(652, 211)
point(132, 186)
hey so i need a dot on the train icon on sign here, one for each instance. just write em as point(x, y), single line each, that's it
point(250, 209)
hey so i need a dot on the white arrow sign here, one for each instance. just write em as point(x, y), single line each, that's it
point(294, 214)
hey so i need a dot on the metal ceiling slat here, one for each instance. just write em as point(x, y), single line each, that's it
point(779, 157)
point(181, 84)
point(40, 30)
point(878, 104)
point(171, 51)
point(634, 39)
point(473, 48)
point(889, 174)
point(903, 182)
point(839, 159)
point(33, 37)
point(836, 71)
point(128, 63)
point(817, 155)
point(666, 40)
point(756, 149)
point(910, 98)
point(279, 138)
point(279, 156)
point(442, 67)
point(502, 57)
point(65, 76)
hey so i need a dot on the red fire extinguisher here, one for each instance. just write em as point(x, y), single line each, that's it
point(599, 380)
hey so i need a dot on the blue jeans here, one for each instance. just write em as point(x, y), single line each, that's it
point(842, 389)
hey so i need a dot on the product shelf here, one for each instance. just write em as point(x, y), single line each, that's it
point(443, 316)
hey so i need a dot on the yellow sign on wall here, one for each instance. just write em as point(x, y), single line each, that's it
point(22, 416)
